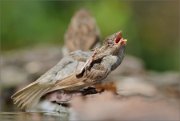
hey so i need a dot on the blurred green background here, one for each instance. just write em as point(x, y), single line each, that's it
point(151, 27)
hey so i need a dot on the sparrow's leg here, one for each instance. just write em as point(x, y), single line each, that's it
point(59, 96)
point(89, 90)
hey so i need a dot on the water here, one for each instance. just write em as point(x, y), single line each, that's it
point(33, 116)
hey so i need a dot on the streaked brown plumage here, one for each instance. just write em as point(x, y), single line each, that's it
point(77, 70)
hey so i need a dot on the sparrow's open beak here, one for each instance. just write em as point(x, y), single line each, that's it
point(119, 39)
point(123, 41)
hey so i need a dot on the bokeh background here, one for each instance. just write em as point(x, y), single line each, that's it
point(151, 27)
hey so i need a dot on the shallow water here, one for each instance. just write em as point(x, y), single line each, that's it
point(33, 116)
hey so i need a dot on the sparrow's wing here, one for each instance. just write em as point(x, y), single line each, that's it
point(31, 94)
point(97, 72)
point(70, 83)
point(73, 82)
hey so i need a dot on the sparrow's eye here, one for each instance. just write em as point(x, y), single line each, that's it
point(109, 42)
point(118, 37)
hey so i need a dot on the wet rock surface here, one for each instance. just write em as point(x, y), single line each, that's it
point(107, 106)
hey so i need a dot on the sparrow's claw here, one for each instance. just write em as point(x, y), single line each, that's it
point(88, 90)
point(60, 109)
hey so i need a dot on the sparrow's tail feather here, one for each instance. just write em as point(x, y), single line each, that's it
point(29, 96)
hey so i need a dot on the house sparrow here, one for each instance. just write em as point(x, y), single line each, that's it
point(74, 72)
point(82, 33)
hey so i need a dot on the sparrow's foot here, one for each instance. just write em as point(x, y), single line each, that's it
point(49, 107)
point(60, 109)
point(59, 96)
point(90, 90)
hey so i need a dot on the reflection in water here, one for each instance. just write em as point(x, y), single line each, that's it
point(34, 116)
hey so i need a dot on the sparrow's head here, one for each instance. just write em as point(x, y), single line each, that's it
point(115, 43)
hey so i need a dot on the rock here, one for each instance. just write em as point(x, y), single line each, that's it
point(130, 66)
point(167, 83)
point(164, 78)
point(12, 75)
point(132, 85)
point(110, 107)
point(27, 65)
